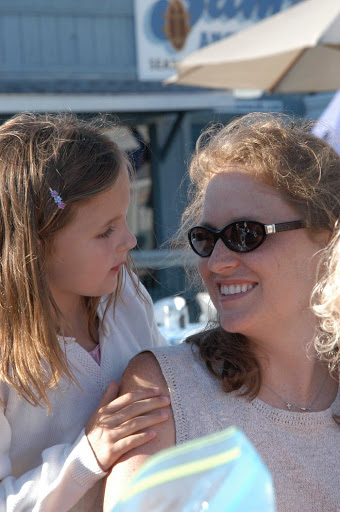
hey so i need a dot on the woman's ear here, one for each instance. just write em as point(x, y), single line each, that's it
point(328, 236)
point(323, 237)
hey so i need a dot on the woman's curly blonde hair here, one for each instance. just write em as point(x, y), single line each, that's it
point(326, 305)
point(286, 155)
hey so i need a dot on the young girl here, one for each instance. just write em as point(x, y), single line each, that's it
point(72, 314)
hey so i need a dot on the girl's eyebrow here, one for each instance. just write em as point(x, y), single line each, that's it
point(110, 221)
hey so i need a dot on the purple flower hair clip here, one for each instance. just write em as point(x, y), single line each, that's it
point(57, 199)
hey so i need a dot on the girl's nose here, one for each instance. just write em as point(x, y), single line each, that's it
point(131, 240)
point(128, 240)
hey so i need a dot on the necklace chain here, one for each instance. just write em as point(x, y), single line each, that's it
point(289, 405)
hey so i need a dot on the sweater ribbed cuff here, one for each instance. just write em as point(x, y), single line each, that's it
point(86, 470)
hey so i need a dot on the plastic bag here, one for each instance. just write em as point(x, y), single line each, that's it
point(217, 473)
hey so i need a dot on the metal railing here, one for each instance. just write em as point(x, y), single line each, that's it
point(162, 258)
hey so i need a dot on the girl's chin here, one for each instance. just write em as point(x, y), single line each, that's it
point(108, 287)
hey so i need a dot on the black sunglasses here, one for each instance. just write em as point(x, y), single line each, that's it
point(239, 236)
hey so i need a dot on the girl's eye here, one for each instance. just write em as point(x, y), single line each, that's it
point(106, 233)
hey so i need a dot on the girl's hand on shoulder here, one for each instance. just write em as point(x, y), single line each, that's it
point(120, 424)
point(142, 372)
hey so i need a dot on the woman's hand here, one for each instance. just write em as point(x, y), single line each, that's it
point(120, 424)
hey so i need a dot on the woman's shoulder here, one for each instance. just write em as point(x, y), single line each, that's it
point(336, 404)
point(176, 350)
point(181, 364)
point(176, 356)
point(143, 371)
point(150, 365)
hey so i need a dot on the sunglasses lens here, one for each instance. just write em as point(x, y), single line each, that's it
point(244, 236)
point(202, 241)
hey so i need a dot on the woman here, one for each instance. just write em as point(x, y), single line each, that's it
point(265, 202)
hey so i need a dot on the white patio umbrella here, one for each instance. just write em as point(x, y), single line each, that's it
point(296, 50)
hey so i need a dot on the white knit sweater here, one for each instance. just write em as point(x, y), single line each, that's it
point(46, 463)
point(301, 450)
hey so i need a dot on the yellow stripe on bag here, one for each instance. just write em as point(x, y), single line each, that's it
point(182, 470)
point(189, 447)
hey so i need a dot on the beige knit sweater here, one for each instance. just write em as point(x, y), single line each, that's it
point(301, 450)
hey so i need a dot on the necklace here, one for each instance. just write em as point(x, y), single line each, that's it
point(289, 405)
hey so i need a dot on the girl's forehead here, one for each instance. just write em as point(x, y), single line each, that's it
point(120, 184)
point(101, 208)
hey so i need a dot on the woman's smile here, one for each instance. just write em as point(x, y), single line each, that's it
point(235, 289)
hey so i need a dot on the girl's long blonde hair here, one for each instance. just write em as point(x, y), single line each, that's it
point(79, 160)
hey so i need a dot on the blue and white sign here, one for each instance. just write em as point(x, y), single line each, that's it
point(168, 30)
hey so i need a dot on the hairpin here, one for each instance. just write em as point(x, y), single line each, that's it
point(57, 199)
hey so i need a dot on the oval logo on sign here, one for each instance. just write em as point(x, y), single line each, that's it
point(177, 26)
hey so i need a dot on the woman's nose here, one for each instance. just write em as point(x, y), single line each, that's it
point(222, 258)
